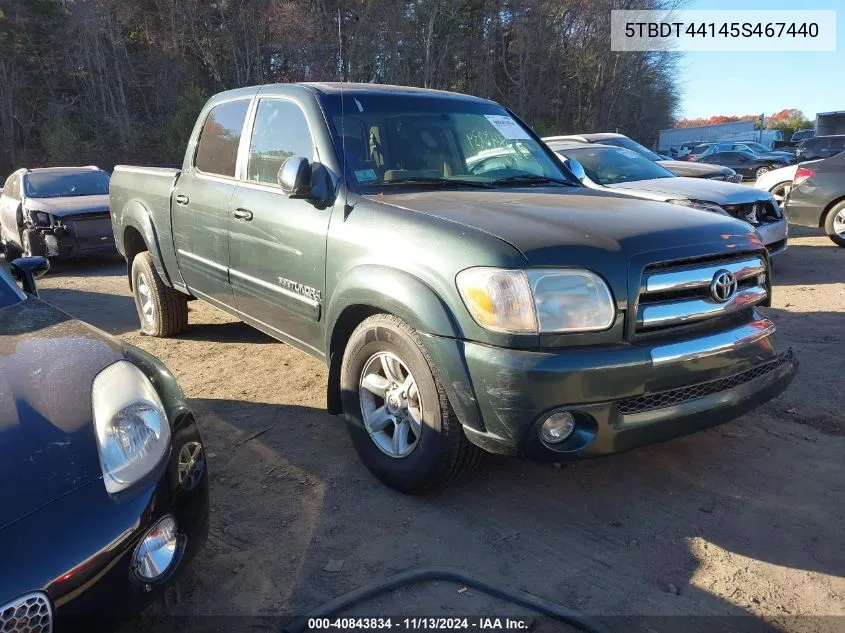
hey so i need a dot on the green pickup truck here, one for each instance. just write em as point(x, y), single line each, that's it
point(464, 289)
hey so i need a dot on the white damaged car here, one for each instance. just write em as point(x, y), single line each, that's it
point(625, 172)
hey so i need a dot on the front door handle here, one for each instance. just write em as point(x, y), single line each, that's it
point(242, 214)
point(182, 199)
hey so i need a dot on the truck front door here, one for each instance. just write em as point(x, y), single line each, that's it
point(277, 247)
point(200, 202)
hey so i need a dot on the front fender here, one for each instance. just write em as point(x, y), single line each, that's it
point(396, 292)
point(136, 216)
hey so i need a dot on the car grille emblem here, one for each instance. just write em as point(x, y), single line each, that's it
point(723, 286)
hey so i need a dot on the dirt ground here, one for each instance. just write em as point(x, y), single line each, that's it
point(744, 519)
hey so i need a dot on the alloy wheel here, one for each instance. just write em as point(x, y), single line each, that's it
point(145, 299)
point(391, 405)
point(781, 191)
point(839, 223)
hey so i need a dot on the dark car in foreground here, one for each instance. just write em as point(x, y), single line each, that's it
point(104, 495)
point(464, 289)
point(56, 212)
point(677, 167)
point(820, 147)
point(748, 165)
point(817, 197)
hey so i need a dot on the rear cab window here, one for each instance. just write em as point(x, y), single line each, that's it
point(217, 147)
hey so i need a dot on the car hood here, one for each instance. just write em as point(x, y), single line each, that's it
point(561, 227)
point(716, 191)
point(695, 170)
point(73, 205)
point(48, 362)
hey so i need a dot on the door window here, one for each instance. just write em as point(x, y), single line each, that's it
point(280, 131)
point(217, 149)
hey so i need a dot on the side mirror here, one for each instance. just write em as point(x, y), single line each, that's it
point(576, 168)
point(27, 270)
point(294, 177)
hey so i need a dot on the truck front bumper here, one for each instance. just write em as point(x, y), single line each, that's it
point(623, 396)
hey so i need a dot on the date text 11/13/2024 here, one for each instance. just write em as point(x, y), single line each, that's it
point(402, 624)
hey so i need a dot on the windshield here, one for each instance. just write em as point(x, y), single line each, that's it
point(62, 184)
point(9, 291)
point(631, 144)
point(610, 165)
point(446, 142)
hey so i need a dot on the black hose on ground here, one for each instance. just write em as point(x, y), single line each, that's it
point(427, 574)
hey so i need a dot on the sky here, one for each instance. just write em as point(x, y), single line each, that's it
point(732, 83)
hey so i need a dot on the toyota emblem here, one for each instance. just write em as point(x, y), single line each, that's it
point(723, 286)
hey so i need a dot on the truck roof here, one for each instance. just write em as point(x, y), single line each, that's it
point(355, 89)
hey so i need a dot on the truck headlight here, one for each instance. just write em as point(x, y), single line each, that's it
point(133, 433)
point(699, 204)
point(537, 301)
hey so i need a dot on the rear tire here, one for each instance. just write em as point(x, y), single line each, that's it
point(162, 310)
point(760, 171)
point(780, 191)
point(423, 461)
point(834, 224)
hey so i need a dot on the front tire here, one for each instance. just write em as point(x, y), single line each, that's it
point(834, 224)
point(760, 171)
point(162, 310)
point(780, 191)
point(32, 243)
point(397, 414)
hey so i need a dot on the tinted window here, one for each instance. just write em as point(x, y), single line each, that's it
point(632, 145)
point(607, 166)
point(63, 184)
point(280, 132)
point(421, 140)
point(837, 143)
point(217, 149)
point(700, 149)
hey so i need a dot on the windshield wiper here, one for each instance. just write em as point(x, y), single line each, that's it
point(532, 180)
point(443, 182)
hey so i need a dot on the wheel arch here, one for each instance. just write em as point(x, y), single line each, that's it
point(369, 290)
point(137, 235)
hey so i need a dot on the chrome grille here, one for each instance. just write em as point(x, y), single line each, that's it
point(28, 614)
point(672, 397)
point(677, 294)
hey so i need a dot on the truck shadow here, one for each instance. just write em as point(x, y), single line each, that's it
point(668, 529)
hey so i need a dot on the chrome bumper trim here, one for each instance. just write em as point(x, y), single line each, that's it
point(714, 344)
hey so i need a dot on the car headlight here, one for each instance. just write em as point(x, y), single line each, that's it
point(539, 300)
point(133, 432)
point(699, 204)
point(37, 218)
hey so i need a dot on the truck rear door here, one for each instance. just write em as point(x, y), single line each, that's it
point(277, 246)
point(200, 204)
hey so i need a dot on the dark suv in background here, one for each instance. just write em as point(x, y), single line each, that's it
point(820, 147)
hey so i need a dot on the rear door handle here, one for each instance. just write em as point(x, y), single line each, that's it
point(182, 199)
point(242, 214)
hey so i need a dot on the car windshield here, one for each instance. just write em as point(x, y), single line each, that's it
point(627, 143)
point(9, 291)
point(700, 149)
point(62, 184)
point(421, 141)
point(611, 165)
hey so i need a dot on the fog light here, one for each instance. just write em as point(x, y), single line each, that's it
point(557, 427)
point(157, 550)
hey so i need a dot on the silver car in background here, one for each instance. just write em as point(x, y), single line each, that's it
point(56, 212)
point(625, 172)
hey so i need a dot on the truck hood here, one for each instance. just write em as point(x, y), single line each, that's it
point(695, 170)
point(716, 191)
point(577, 226)
point(74, 205)
point(48, 362)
